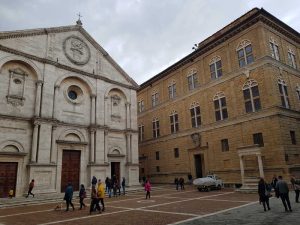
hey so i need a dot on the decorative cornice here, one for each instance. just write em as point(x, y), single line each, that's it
point(64, 67)
point(71, 142)
point(242, 23)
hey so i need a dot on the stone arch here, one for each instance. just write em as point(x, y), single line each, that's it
point(118, 89)
point(115, 150)
point(13, 143)
point(22, 60)
point(91, 88)
point(72, 133)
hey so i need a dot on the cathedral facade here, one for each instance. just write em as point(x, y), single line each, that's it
point(67, 112)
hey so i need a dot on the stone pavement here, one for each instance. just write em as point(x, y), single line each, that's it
point(252, 214)
point(53, 197)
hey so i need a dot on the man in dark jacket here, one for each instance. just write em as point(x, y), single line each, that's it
point(68, 196)
point(283, 191)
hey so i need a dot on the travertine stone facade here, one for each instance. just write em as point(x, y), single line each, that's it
point(60, 92)
point(273, 113)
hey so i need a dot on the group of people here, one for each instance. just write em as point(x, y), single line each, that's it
point(112, 186)
point(179, 182)
point(281, 189)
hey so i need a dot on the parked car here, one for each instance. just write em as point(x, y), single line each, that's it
point(210, 182)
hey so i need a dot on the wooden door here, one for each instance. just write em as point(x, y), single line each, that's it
point(8, 178)
point(70, 169)
point(115, 170)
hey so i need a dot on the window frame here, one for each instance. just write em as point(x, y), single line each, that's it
point(246, 56)
point(157, 155)
point(225, 145)
point(250, 85)
point(176, 152)
point(213, 64)
point(292, 58)
point(194, 80)
point(221, 109)
point(258, 138)
point(155, 128)
point(141, 106)
point(172, 91)
point(174, 122)
point(141, 132)
point(274, 49)
point(283, 92)
point(293, 137)
point(195, 117)
point(155, 99)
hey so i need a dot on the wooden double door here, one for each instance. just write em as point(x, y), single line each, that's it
point(115, 170)
point(8, 178)
point(70, 171)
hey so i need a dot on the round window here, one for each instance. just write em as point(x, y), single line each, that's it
point(72, 95)
point(17, 81)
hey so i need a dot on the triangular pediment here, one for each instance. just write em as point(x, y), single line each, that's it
point(68, 45)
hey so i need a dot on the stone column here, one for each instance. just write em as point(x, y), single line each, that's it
point(53, 145)
point(105, 145)
point(38, 98)
point(127, 105)
point(54, 112)
point(242, 169)
point(34, 142)
point(92, 145)
point(93, 98)
point(128, 147)
point(260, 165)
point(105, 110)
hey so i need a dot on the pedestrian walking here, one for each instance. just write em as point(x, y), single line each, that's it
point(106, 184)
point(31, 186)
point(101, 193)
point(123, 185)
point(109, 187)
point(283, 192)
point(68, 196)
point(264, 193)
point(82, 196)
point(274, 181)
point(176, 181)
point(94, 200)
point(94, 181)
point(147, 189)
point(296, 185)
point(181, 183)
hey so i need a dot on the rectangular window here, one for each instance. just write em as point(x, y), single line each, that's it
point(245, 55)
point(292, 60)
point(141, 132)
point(293, 137)
point(195, 116)
point(157, 155)
point(216, 69)
point(192, 81)
point(154, 99)
point(284, 95)
point(174, 123)
point(274, 50)
point(258, 139)
point(155, 128)
point(176, 152)
point(220, 109)
point(172, 91)
point(141, 106)
point(225, 145)
point(157, 169)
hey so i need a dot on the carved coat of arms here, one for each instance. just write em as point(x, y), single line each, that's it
point(76, 50)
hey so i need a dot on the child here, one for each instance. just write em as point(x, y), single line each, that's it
point(148, 188)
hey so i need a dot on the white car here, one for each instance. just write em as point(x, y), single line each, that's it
point(208, 183)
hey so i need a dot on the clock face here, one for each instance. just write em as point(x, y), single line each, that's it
point(76, 50)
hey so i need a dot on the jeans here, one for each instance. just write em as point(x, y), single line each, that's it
point(285, 201)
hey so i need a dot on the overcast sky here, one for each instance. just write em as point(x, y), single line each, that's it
point(143, 36)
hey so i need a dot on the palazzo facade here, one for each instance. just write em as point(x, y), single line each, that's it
point(231, 107)
point(67, 112)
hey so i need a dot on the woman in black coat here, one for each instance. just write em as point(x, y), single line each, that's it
point(263, 193)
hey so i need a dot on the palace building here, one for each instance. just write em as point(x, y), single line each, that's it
point(231, 107)
point(67, 112)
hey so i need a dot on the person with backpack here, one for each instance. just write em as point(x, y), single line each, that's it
point(82, 196)
point(264, 193)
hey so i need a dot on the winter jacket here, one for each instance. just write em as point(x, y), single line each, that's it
point(69, 193)
point(100, 191)
point(148, 186)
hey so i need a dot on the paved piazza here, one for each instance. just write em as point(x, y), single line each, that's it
point(166, 206)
